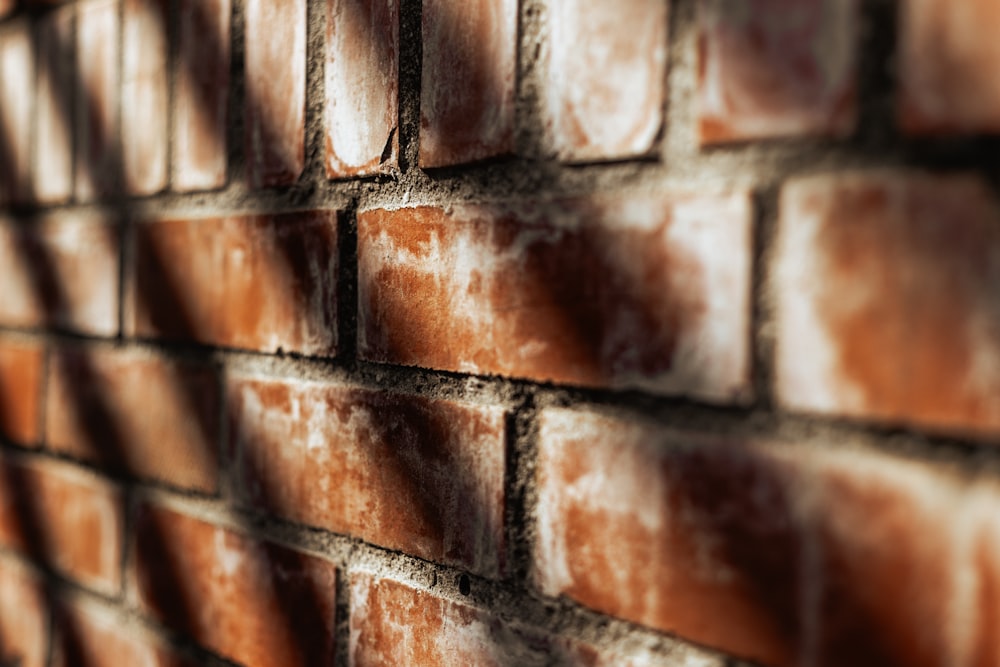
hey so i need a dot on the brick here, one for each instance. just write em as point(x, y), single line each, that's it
point(645, 291)
point(98, 160)
point(885, 305)
point(89, 635)
point(605, 78)
point(134, 413)
point(468, 81)
point(256, 282)
point(202, 96)
point(947, 58)
point(984, 644)
point(565, 652)
point(777, 68)
point(63, 517)
point(241, 598)
point(53, 175)
point(362, 61)
point(21, 371)
point(62, 272)
point(16, 76)
point(144, 96)
point(672, 531)
point(24, 617)
point(276, 80)
point(421, 476)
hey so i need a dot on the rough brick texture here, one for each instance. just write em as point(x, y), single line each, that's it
point(144, 96)
point(422, 476)
point(98, 165)
point(129, 412)
point(246, 600)
point(24, 616)
point(21, 372)
point(648, 292)
point(53, 170)
point(254, 282)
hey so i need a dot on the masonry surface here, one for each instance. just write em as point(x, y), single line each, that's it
point(501, 333)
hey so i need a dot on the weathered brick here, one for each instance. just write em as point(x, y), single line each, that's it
point(639, 291)
point(135, 413)
point(21, 369)
point(776, 68)
point(983, 649)
point(672, 531)
point(53, 175)
point(144, 96)
point(276, 84)
point(885, 299)
point(16, 76)
point(62, 272)
point(947, 63)
point(24, 617)
point(63, 517)
point(605, 77)
point(256, 282)
point(98, 162)
point(202, 95)
point(422, 476)
point(362, 60)
point(468, 81)
point(253, 602)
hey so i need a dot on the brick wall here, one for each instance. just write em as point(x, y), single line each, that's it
point(551, 332)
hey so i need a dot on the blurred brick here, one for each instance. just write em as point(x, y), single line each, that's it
point(257, 282)
point(777, 68)
point(202, 97)
point(16, 79)
point(97, 118)
point(468, 81)
point(144, 96)
point(53, 177)
point(886, 299)
point(948, 60)
point(6, 7)
point(606, 77)
point(640, 291)
point(253, 602)
point(21, 369)
point(134, 413)
point(672, 531)
point(62, 272)
point(24, 617)
point(276, 86)
point(564, 652)
point(984, 647)
point(407, 473)
point(362, 61)
point(61, 516)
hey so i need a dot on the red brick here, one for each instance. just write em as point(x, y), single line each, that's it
point(948, 58)
point(256, 603)
point(672, 531)
point(62, 272)
point(97, 58)
point(24, 624)
point(422, 476)
point(605, 77)
point(362, 60)
point(984, 643)
point(89, 635)
point(202, 95)
point(886, 302)
point(59, 515)
point(468, 80)
point(21, 369)
point(643, 291)
point(144, 96)
point(16, 77)
point(276, 85)
point(777, 68)
point(53, 175)
point(135, 413)
point(256, 282)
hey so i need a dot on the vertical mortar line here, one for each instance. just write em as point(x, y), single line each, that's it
point(342, 617)
point(762, 325)
point(409, 74)
point(236, 169)
point(877, 42)
point(123, 226)
point(230, 459)
point(531, 55)
point(521, 443)
point(315, 154)
point(679, 144)
point(347, 286)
